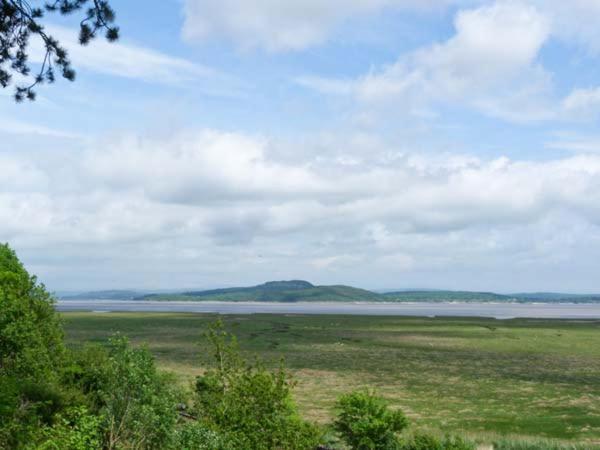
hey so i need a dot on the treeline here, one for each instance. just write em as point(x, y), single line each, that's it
point(111, 396)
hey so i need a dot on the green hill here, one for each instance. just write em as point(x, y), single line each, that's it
point(303, 291)
point(275, 291)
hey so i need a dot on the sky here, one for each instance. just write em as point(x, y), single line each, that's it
point(386, 144)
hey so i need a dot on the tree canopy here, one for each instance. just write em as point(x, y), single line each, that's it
point(31, 337)
point(22, 19)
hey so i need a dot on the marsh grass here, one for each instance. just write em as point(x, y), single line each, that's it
point(537, 378)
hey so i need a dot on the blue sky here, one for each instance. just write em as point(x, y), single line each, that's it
point(380, 143)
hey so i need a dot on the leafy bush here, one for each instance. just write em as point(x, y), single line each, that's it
point(198, 436)
point(249, 403)
point(77, 429)
point(137, 404)
point(365, 422)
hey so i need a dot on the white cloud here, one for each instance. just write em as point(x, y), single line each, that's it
point(19, 127)
point(281, 25)
point(575, 142)
point(574, 21)
point(226, 202)
point(336, 261)
point(583, 101)
point(490, 64)
point(204, 167)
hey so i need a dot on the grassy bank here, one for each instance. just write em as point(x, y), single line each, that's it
point(538, 378)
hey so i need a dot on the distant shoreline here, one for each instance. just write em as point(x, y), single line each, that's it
point(400, 302)
point(496, 310)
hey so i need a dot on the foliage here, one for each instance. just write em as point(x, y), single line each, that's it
point(422, 441)
point(249, 403)
point(137, 403)
point(31, 337)
point(76, 429)
point(198, 436)
point(31, 353)
point(21, 19)
point(365, 422)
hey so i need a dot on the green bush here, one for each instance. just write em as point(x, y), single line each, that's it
point(365, 422)
point(422, 441)
point(77, 429)
point(250, 404)
point(198, 436)
point(137, 404)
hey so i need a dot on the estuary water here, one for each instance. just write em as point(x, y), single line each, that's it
point(494, 310)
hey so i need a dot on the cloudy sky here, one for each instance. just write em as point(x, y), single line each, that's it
point(380, 143)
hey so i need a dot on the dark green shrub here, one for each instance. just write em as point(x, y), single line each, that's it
point(250, 404)
point(365, 422)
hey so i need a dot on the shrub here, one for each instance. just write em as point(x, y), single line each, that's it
point(198, 436)
point(137, 404)
point(249, 403)
point(422, 441)
point(365, 422)
point(77, 429)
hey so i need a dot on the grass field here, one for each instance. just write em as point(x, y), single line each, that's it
point(537, 378)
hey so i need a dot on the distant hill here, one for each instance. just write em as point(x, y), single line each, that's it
point(469, 296)
point(275, 291)
point(446, 296)
point(103, 295)
point(554, 297)
point(303, 291)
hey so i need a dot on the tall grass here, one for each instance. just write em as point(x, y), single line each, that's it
point(526, 444)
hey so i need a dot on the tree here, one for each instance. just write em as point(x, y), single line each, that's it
point(20, 20)
point(366, 423)
point(31, 336)
point(31, 352)
point(136, 404)
point(251, 405)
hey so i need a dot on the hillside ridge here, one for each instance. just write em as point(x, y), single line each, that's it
point(297, 290)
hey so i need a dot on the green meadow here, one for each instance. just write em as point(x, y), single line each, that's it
point(533, 379)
